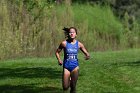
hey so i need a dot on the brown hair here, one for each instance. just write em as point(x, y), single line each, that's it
point(66, 30)
point(73, 28)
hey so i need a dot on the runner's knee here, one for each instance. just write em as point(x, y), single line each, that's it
point(65, 87)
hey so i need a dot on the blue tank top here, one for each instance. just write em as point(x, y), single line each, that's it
point(71, 53)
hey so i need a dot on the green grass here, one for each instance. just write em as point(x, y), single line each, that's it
point(105, 72)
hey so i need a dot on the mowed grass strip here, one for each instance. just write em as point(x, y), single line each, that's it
point(105, 72)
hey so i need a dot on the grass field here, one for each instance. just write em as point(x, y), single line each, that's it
point(105, 72)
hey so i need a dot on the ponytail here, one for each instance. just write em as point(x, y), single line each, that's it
point(66, 31)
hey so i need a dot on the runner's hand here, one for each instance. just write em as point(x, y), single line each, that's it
point(60, 62)
point(87, 57)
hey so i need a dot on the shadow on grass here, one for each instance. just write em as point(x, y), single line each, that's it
point(136, 64)
point(37, 72)
point(28, 89)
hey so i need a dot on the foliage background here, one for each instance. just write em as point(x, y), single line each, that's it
point(34, 27)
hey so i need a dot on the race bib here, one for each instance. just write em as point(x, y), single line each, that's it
point(72, 56)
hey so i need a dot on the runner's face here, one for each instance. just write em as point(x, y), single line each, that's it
point(72, 33)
